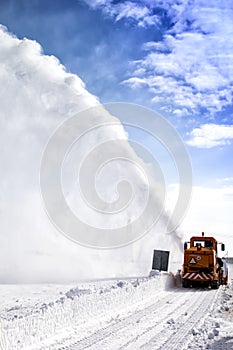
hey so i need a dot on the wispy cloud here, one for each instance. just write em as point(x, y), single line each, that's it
point(140, 12)
point(226, 180)
point(190, 69)
point(211, 135)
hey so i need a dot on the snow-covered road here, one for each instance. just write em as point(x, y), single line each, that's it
point(138, 313)
point(165, 324)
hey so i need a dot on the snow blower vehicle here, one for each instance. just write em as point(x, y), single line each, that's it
point(202, 266)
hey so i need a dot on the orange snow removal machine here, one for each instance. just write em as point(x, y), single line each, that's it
point(202, 266)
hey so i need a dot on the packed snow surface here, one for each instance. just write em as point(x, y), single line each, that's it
point(135, 313)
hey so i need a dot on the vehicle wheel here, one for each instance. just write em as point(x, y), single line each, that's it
point(215, 284)
point(185, 284)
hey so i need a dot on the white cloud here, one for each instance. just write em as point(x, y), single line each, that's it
point(211, 135)
point(139, 12)
point(195, 54)
point(129, 10)
point(180, 112)
point(98, 3)
point(227, 179)
point(211, 211)
point(193, 74)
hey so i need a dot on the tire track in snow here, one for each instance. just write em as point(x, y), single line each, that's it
point(105, 337)
point(182, 328)
point(161, 331)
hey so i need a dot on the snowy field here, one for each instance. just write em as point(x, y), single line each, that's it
point(134, 313)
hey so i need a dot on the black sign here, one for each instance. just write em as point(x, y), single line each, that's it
point(160, 260)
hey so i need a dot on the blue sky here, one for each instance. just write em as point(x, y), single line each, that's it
point(87, 42)
point(175, 57)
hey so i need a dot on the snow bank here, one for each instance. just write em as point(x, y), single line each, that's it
point(23, 327)
point(216, 329)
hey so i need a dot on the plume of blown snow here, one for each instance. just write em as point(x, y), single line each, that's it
point(37, 95)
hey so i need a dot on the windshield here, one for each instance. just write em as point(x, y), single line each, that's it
point(203, 243)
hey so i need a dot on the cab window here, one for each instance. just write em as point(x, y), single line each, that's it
point(208, 244)
point(196, 243)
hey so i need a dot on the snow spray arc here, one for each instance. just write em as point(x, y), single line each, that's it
point(116, 200)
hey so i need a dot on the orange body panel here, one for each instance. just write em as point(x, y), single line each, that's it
point(200, 264)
